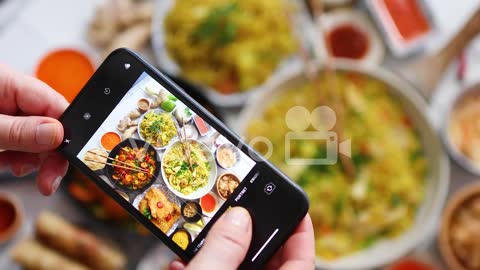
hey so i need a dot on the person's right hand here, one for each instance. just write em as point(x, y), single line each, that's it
point(227, 244)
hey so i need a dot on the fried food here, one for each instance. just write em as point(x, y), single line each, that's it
point(30, 254)
point(94, 160)
point(159, 209)
point(58, 234)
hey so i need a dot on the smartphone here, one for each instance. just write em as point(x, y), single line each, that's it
point(171, 164)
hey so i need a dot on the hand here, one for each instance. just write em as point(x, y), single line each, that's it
point(227, 244)
point(29, 129)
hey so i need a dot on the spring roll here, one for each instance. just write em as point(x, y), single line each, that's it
point(58, 234)
point(29, 254)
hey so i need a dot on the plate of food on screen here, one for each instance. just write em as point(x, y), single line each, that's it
point(158, 128)
point(189, 169)
point(159, 206)
point(133, 165)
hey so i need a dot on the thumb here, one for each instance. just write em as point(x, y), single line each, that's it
point(30, 133)
point(227, 242)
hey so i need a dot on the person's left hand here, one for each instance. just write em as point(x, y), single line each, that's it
point(29, 130)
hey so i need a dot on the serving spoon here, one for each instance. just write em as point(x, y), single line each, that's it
point(427, 71)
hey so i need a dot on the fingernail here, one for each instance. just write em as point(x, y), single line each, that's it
point(46, 133)
point(26, 170)
point(56, 183)
point(239, 217)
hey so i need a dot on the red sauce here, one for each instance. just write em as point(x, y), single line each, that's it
point(408, 17)
point(347, 41)
point(208, 203)
point(410, 265)
point(7, 216)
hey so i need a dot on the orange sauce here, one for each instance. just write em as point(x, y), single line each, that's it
point(66, 71)
point(208, 203)
point(110, 140)
point(408, 18)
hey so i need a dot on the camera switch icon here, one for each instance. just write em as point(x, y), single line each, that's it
point(269, 188)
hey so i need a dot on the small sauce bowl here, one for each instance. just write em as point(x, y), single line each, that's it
point(454, 132)
point(11, 216)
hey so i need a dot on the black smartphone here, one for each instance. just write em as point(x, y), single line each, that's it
point(171, 164)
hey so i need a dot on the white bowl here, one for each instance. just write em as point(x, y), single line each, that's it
point(211, 180)
point(459, 157)
point(375, 51)
point(436, 184)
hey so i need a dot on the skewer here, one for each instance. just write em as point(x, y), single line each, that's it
point(112, 159)
point(119, 166)
point(180, 137)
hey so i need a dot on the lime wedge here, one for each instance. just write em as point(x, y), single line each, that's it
point(192, 227)
point(168, 105)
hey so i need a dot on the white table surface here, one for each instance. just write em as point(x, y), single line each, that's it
point(42, 25)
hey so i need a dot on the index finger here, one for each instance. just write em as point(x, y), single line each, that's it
point(19, 92)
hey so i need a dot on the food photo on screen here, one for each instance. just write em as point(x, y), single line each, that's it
point(168, 162)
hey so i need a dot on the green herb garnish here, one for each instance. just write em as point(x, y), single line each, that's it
point(416, 155)
point(146, 213)
point(370, 240)
point(156, 126)
point(217, 26)
point(395, 200)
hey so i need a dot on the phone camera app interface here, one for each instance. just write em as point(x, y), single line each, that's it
point(166, 161)
point(269, 188)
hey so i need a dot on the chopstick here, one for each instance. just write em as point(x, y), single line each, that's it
point(333, 94)
point(121, 162)
point(184, 143)
point(109, 158)
point(118, 166)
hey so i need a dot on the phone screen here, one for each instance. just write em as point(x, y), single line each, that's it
point(171, 164)
point(167, 161)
